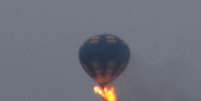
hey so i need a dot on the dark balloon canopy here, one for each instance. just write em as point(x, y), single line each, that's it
point(104, 57)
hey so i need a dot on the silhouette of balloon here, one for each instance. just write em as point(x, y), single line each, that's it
point(104, 57)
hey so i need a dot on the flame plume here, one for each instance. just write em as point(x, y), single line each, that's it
point(107, 93)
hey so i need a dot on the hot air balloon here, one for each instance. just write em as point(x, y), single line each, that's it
point(104, 57)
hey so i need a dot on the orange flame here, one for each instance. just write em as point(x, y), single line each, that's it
point(108, 93)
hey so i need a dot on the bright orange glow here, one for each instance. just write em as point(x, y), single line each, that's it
point(108, 93)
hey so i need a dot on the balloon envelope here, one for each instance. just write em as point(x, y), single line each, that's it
point(104, 57)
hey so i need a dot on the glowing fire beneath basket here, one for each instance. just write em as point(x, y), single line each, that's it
point(107, 93)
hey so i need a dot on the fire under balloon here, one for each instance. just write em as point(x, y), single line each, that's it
point(104, 57)
point(107, 93)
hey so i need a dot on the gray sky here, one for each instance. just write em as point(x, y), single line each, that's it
point(39, 41)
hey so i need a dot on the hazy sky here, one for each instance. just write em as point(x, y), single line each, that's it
point(39, 42)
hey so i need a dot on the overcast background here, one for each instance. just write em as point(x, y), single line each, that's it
point(39, 42)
